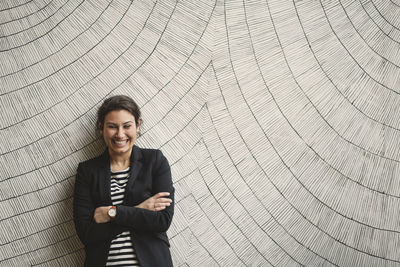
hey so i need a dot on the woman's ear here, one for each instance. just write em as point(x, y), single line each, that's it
point(139, 123)
point(100, 129)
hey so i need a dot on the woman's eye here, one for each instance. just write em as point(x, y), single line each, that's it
point(127, 126)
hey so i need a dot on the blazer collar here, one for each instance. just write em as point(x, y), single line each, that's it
point(105, 172)
point(105, 160)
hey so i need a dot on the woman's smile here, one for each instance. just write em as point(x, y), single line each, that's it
point(120, 143)
point(119, 132)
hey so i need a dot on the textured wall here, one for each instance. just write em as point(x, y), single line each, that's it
point(280, 120)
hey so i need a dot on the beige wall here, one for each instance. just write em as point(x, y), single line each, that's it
point(280, 120)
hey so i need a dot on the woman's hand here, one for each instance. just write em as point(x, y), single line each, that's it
point(157, 202)
point(101, 214)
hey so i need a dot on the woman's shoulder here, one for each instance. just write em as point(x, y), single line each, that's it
point(152, 154)
point(149, 151)
point(93, 162)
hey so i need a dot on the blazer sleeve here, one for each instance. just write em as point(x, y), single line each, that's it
point(146, 220)
point(83, 209)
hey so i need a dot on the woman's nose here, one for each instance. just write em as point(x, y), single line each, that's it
point(120, 132)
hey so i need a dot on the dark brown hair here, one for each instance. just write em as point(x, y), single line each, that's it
point(118, 102)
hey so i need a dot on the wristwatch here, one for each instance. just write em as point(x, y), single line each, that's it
point(112, 212)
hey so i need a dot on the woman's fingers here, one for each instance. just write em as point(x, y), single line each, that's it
point(162, 203)
point(157, 202)
point(164, 200)
point(159, 207)
point(161, 194)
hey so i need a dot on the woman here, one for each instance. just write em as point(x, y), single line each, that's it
point(123, 199)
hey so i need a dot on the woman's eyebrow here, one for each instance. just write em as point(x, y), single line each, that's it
point(114, 123)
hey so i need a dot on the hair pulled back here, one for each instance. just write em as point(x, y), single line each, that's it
point(117, 102)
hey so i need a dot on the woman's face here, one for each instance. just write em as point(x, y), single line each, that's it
point(119, 132)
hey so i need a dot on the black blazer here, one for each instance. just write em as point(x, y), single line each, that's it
point(150, 174)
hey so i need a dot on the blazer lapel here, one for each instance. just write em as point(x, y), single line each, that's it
point(136, 165)
point(104, 174)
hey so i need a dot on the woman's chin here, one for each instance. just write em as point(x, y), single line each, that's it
point(120, 150)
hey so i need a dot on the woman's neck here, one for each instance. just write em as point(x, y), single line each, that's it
point(119, 162)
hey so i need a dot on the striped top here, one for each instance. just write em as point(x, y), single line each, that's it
point(121, 251)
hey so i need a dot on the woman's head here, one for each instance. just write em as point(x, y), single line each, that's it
point(118, 122)
point(118, 102)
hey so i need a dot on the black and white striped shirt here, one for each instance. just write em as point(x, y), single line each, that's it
point(122, 252)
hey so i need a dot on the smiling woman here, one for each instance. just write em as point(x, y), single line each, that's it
point(116, 220)
point(119, 133)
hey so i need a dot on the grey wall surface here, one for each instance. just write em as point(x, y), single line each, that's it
point(280, 120)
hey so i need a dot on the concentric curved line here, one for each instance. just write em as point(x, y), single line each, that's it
point(244, 142)
point(383, 229)
point(288, 168)
point(228, 188)
point(287, 63)
point(351, 56)
point(42, 8)
point(70, 253)
point(377, 25)
point(366, 43)
point(77, 59)
point(32, 26)
point(40, 231)
point(384, 17)
point(112, 89)
point(55, 52)
point(31, 41)
point(9, 8)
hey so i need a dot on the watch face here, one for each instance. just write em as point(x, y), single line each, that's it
point(112, 212)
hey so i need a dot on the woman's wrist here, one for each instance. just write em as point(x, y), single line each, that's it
point(112, 212)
